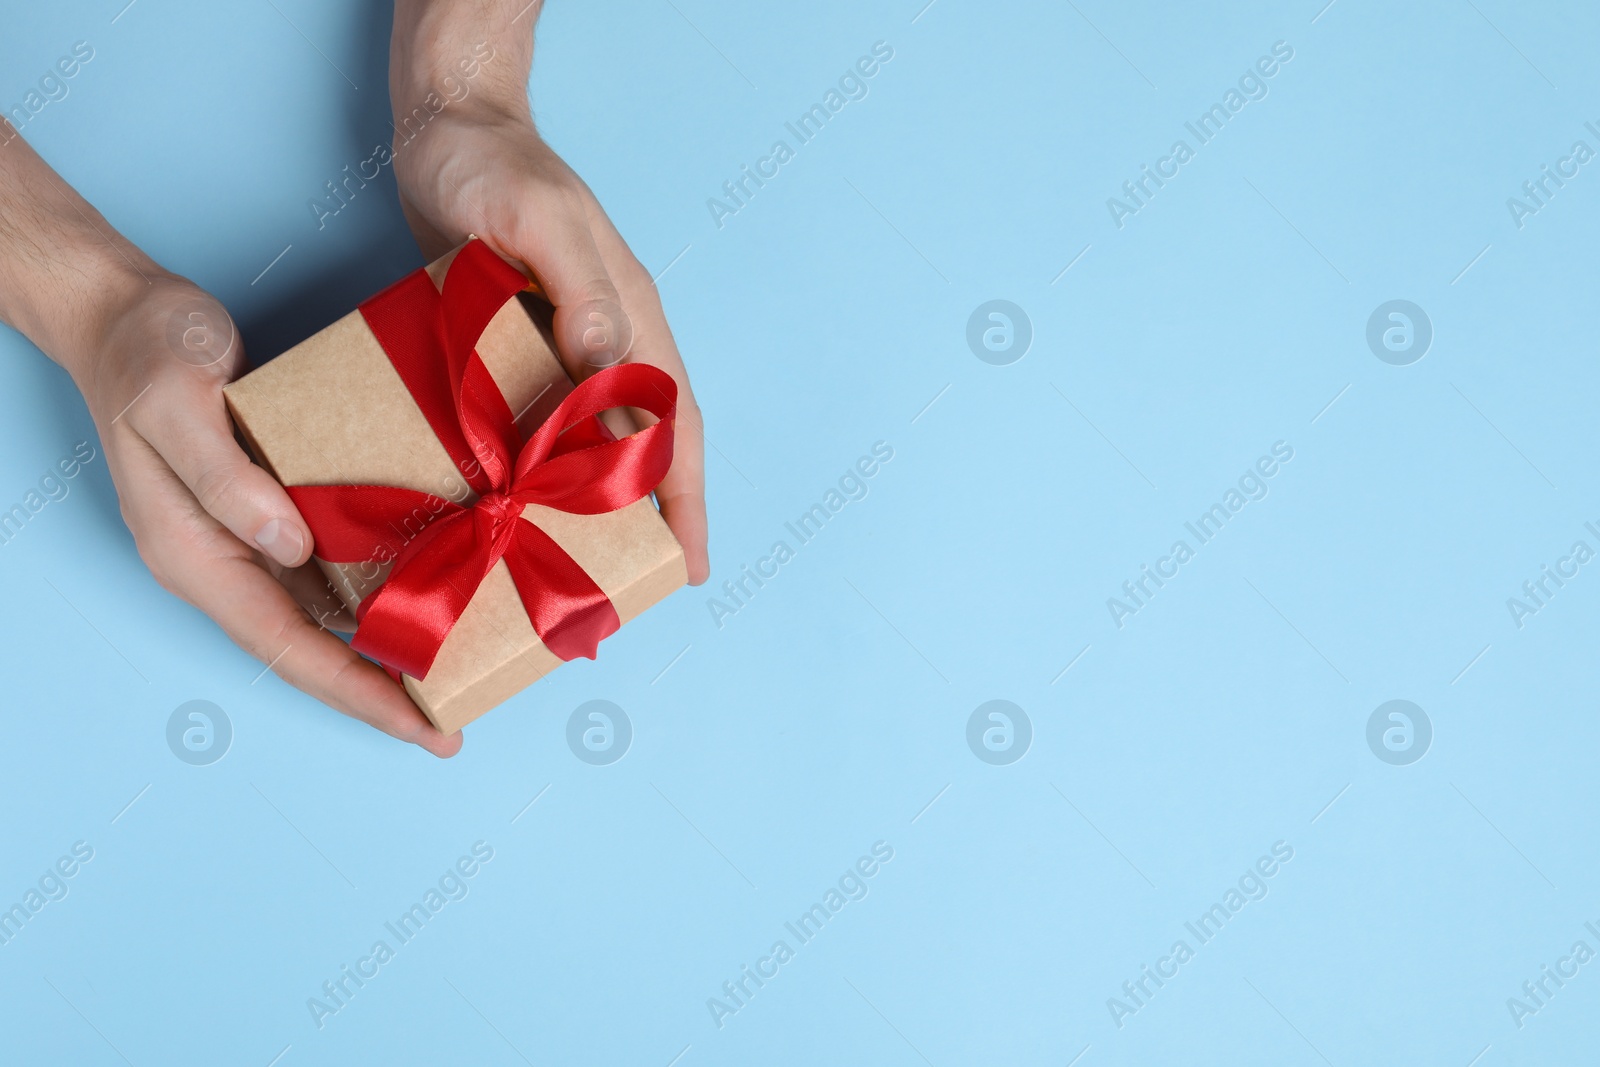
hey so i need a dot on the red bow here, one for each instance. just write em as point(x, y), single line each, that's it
point(571, 463)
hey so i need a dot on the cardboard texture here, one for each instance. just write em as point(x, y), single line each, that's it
point(333, 411)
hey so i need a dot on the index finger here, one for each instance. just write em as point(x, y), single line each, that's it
point(263, 619)
point(590, 326)
point(682, 497)
point(682, 493)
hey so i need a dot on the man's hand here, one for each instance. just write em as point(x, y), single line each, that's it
point(468, 160)
point(150, 353)
point(214, 528)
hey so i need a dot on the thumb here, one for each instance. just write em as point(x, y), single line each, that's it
point(196, 440)
point(591, 329)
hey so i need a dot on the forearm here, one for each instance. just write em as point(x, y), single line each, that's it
point(471, 53)
point(63, 268)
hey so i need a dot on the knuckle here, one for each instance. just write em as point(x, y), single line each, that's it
point(160, 566)
point(217, 487)
point(179, 390)
point(601, 290)
point(334, 679)
point(556, 190)
point(275, 654)
point(569, 195)
point(288, 630)
point(632, 276)
point(165, 579)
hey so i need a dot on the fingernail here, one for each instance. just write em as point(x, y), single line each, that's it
point(282, 541)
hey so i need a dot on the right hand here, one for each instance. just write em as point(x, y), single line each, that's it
point(213, 527)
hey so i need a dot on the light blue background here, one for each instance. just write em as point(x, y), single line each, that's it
point(829, 712)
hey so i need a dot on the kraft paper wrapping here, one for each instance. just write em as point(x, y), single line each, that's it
point(333, 411)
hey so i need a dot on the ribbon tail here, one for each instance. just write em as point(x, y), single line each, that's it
point(570, 613)
point(403, 625)
point(357, 523)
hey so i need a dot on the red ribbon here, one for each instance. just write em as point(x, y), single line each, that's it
point(442, 551)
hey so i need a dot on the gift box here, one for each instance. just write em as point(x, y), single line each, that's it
point(465, 500)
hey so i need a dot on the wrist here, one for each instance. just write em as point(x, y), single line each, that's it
point(470, 57)
point(74, 298)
